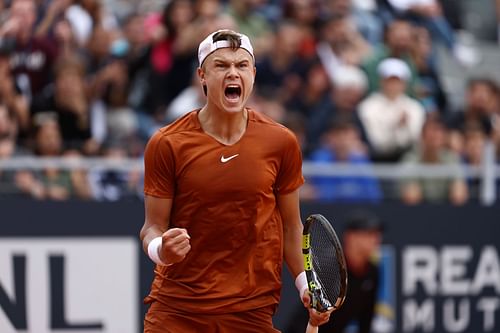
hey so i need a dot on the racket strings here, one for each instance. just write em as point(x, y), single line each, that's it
point(325, 262)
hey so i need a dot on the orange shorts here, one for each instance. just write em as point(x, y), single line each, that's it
point(159, 320)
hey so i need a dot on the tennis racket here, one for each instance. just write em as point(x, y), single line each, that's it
point(324, 264)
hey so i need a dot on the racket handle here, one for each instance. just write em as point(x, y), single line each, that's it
point(311, 329)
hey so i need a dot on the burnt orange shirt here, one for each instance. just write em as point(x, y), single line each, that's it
point(225, 196)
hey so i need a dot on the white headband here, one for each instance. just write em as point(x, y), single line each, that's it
point(207, 46)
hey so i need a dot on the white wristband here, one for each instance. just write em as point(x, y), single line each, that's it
point(301, 283)
point(154, 251)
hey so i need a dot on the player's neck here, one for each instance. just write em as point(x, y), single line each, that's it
point(225, 127)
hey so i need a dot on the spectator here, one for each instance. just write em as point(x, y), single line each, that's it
point(474, 141)
point(133, 33)
point(364, 14)
point(281, 71)
point(114, 185)
point(11, 180)
point(169, 66)
point(391, 119)
point(472, 155)
point(87, 16)
point(110, 92)
point(313, 103)
point(429, 14)
point(8, 122)
point(398, 43)
point(54, 12)
point(13, 99)
point(345, 93)
point(136, 47)
point(305, 14)
point(68, 99)
point(340, 44)
point(342, 144)
point(251, 23)
point(23, 47)
point(54, 183)
point(432, 151)
point(82, 23)
point(427, 88)
point(97, 50)
point(349, 88)
point(481, 102)
point(66, 40)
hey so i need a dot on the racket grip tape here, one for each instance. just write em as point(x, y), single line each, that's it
point(308, 261)
point(306, 242)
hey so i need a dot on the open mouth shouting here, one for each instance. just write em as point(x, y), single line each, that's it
point(232, 93)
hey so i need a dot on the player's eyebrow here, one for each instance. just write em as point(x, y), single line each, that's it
point(221, 60)
point(228, 61)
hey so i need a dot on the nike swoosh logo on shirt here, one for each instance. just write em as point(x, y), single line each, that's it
point(225, 159)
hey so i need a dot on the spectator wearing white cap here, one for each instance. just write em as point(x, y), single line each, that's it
point(391, 119)
point(398, 43)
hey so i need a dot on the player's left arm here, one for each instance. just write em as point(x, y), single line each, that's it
point(292, 247)
point(292, 231)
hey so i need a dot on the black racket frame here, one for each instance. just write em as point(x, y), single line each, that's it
point(319, 299)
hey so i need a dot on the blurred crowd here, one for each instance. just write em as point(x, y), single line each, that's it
point(358, 81)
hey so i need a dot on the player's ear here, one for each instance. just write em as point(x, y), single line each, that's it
point(201, 77)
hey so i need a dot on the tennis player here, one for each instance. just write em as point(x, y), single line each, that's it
point(222, 206)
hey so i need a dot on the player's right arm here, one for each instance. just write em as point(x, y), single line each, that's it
point(174, 244)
